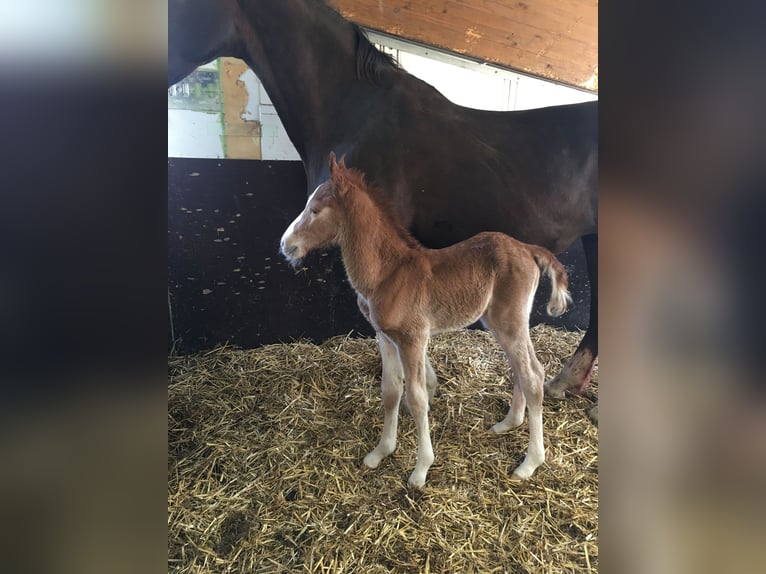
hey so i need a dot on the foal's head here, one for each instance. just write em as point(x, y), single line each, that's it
point(320, 221)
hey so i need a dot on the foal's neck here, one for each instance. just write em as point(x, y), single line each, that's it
point(371, 243)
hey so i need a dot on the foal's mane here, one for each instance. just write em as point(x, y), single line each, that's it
point(355, 178)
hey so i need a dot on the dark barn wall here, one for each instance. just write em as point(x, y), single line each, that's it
point(228, 282)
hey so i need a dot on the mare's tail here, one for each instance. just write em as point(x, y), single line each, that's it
point(560, 297)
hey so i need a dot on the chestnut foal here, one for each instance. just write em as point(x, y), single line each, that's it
point(408, 292)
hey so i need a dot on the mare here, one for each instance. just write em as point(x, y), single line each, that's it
point(449, 171)
point(408, 292)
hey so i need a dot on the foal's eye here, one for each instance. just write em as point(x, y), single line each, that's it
point(313, 211)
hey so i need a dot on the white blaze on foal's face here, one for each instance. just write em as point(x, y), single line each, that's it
point(314, 227)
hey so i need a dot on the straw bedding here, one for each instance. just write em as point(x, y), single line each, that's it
point(265, 466)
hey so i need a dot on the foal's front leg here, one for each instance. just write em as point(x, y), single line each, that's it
point(391, 391)
point(412, 352)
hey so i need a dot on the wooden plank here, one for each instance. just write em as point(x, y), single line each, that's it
point(553, 39)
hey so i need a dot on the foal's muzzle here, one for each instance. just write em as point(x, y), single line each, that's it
point(289, 253)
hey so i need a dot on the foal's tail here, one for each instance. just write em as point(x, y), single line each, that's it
point(560, 297)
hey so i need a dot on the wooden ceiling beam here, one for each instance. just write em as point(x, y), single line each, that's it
point(553, 39)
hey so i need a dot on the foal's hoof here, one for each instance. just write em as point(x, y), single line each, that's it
point(522, 473)
point(372, 461)
point(520, 476)
point(373, 458)
point(416, 481)
point(504, 426)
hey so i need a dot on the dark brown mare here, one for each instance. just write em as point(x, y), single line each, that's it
point(450, 171)
point(408, 292)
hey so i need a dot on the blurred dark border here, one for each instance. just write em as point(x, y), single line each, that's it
point(83, 317)
point(681, 203)
point(82, 225)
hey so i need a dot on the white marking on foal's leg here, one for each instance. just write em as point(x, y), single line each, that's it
point(391, 391)
point(419, 406)
point(536, 450)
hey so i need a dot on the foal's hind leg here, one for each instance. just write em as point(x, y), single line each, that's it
point(431, 381)
point(529, 376)
point(431, 384)
point(391, 390)
point(533, 391)
point(515, 414)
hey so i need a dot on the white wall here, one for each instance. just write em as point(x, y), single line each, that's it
point(194, 134)
point(476, 85)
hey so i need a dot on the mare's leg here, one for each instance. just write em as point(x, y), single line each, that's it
point(576, 374)
point(510, 328)
point(391, 391)
point(412, 352)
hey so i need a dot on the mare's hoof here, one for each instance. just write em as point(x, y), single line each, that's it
point(555, 388)
point(593, 415)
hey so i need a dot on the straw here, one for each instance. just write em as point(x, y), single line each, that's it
point(265, 466)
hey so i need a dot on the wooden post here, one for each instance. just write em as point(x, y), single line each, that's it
point(242, 138)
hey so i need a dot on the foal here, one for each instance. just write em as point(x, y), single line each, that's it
point(408, 292)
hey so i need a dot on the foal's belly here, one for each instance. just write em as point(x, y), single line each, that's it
point(450, 316)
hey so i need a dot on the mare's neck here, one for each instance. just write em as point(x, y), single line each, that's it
point(371, 244)
point(305, 57)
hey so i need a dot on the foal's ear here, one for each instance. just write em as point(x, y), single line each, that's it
point(331, 163)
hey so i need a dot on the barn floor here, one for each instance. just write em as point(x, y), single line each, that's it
point(265, 465)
